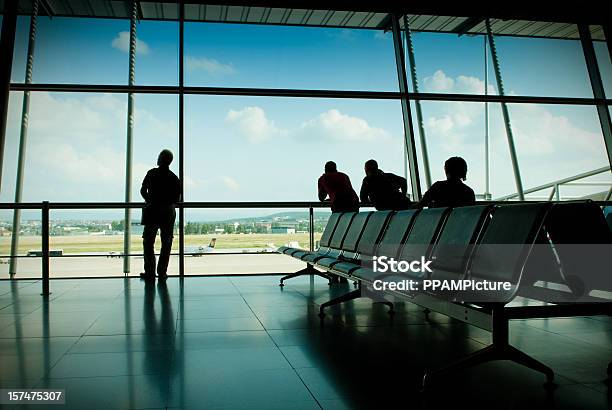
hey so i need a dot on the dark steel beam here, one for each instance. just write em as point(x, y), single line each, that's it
point(181, 134)
point(411, 152)
point(282, 92)
point(467, 25)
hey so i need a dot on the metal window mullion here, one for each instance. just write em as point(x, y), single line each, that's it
point(181, 135)
point(597, 86)
point(417, 103)
point(127, 229)
point(23, 137)
point(506, 115)
point(406, 114)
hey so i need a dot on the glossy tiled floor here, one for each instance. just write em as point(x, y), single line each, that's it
point(222, 342)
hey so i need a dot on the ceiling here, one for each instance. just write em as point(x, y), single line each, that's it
point(343, 14)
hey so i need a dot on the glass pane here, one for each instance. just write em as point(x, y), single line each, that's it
point(447, 63)
point(79, 51)
point(543, 67)
point(157, 52)
point(11, 149)
point(459, 129)
point(240, 55)
point(556, 142)
point(75, 147)
point(20, 52)
point(155, 129)
point(274, 149)
point(242, 241)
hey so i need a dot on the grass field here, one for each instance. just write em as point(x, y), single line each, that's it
point(87, 243)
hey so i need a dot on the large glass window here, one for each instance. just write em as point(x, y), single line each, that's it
point(274, 149)
point(75, 147)
point(239, 55)
point(157, 54)
point(76, 51)
point(556, 142)
point(449, 64)
point(257, 148)
point(543, 67)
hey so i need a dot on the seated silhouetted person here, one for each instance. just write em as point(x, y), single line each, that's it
point(337, 186)
point(161, 190)
point(452, 192)
point(385, 190)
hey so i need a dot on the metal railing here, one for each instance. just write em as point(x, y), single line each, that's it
point(45, 207)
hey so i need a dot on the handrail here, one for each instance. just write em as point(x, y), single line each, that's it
point(185, 205)
point(214, 205)
point(46, 206)
point(558, 182)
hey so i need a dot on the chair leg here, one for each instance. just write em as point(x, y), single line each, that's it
point(308, 270)
point(524, 359)
point(340, 299)
point(491, 353)
point(487, 354)
point(500, 349)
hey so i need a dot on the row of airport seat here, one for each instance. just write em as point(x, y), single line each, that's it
point(481, 242)
point(450, 237)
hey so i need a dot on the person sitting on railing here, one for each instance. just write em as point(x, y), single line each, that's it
point(337, 186)
point(452, 192)
point(385, 190)
point(161, 190)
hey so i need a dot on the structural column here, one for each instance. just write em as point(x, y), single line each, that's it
point(500, 87)
point(597, 86)
point(487, 193)
point(406, 114)
point(127, 232)
point(417, 103)
point(23, 138)
point(181, 135)
point(7, 45)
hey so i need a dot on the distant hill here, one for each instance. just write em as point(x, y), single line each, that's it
point(284, 215)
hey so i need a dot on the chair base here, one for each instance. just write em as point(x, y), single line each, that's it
point(308, 270)
point(500, 349)
point(355, 294)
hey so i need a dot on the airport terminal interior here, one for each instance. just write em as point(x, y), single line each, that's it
point(271, 300)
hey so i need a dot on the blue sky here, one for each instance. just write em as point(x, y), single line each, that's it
point(257, 148)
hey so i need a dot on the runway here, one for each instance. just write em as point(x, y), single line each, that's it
point(210, 264)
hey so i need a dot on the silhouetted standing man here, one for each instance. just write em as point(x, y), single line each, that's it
point(337, 186)
point(385, 190)
point(161, 190)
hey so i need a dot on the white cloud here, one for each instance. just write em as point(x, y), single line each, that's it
point(439, 82)
point(252, 124)
point(337, 126)
point(540, 132)
point(209, 65)
point(76, 147)
point(122, 43)
point(230, 183)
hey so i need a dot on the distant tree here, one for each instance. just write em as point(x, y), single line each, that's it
point(118, 225)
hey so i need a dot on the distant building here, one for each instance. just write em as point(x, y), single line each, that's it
point(282, 230)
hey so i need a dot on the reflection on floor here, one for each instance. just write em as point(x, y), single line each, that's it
point(222, 342)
